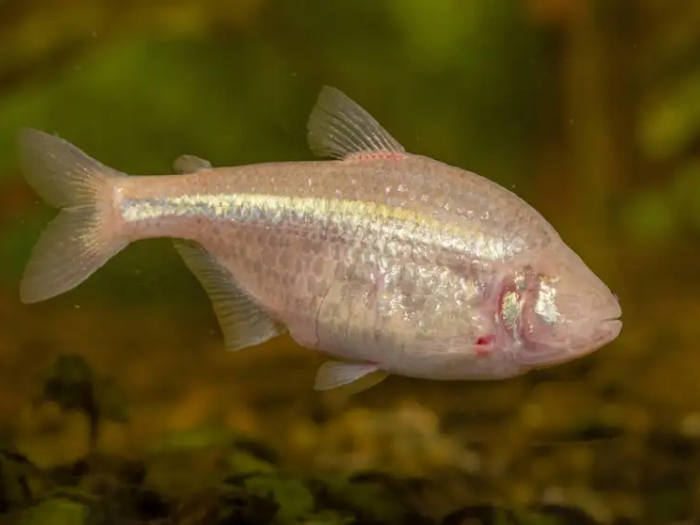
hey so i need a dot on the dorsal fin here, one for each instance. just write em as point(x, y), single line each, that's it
point(339, 127)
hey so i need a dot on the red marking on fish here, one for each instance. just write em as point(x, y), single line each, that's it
point(484, 344)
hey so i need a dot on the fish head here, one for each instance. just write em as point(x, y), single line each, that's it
point(558, 310)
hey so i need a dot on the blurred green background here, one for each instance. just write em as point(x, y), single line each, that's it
point(589, 109)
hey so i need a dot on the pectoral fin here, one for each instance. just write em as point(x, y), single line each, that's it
point(243, 323)
point(335, 374)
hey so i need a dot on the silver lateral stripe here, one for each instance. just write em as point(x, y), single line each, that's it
point(350, 216)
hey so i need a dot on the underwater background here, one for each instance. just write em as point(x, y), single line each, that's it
point(118, 403)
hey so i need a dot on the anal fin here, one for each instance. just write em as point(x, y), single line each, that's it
point(242, 322)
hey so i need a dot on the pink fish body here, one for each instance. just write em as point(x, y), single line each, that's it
point(391, 263)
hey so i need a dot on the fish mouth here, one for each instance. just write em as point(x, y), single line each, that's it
point(610, 328)
point(602, 332)
point(612, 319)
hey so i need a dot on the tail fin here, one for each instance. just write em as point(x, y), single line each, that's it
point(80, 239)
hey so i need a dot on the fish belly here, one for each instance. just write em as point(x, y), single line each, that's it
point(380, 300)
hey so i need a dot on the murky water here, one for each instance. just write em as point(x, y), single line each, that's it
point(117, 399)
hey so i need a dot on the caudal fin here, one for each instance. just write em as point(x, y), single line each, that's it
point(82, 237)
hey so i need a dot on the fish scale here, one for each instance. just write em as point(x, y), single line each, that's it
point(389, 262)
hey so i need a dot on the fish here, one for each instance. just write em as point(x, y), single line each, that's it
point(385, 261)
